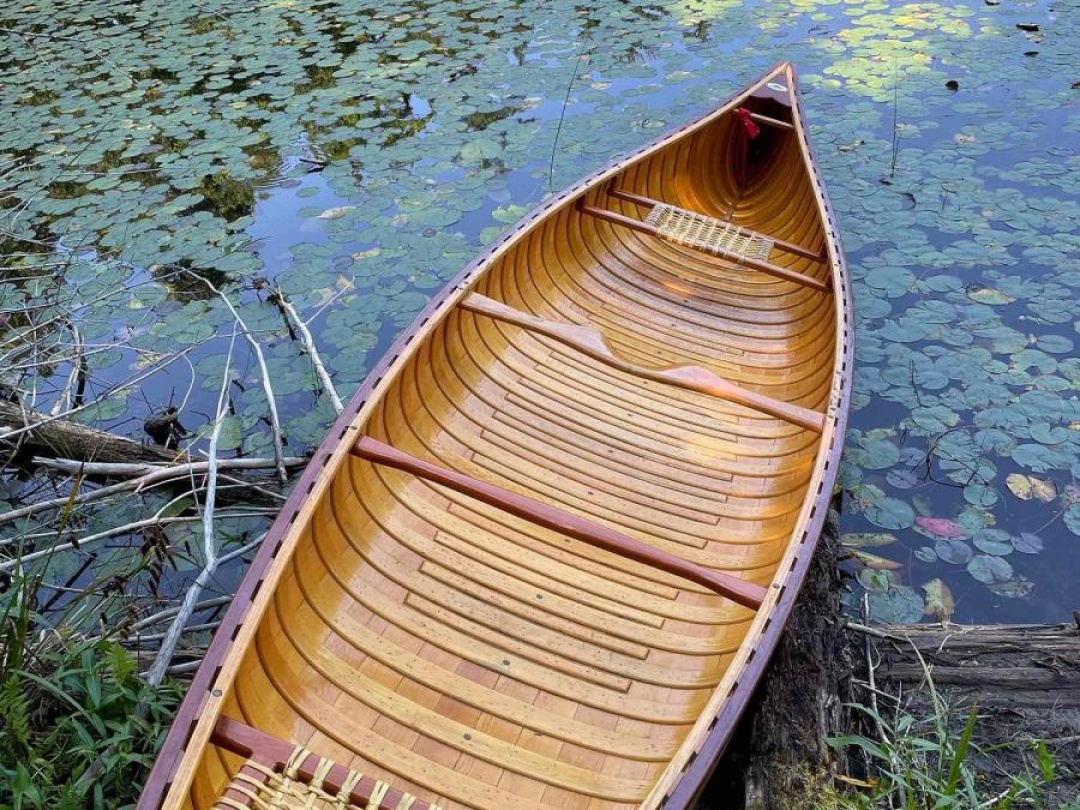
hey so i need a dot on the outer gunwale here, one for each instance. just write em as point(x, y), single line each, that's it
point(680, 784)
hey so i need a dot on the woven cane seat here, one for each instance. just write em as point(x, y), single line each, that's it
point(266, 789)
point(707, 234)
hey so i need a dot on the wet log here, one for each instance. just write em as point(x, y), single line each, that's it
point(779, 756)
point(63, 438)
point(1028, 670)
point(1023, 679)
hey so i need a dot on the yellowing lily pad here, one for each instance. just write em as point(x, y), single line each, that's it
point(988, 295)
point(874, 561)
point(1028, 487)
point(867, 539)
point(939, 600)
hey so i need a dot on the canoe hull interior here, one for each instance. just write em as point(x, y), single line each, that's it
point(471, 657)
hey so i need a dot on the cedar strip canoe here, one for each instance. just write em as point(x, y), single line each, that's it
point(542, 559)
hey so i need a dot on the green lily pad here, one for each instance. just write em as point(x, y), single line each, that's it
point(1027, 543)
point(955, 552)
point(898, 604)
point(989, 570)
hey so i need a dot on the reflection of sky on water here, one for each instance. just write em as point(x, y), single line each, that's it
point(431, 152)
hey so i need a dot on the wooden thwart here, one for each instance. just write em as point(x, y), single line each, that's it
point(771, 122)
point(765, 267)
point(550, 517)
point(590, 341)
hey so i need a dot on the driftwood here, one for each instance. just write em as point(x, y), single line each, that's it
point(1023, 679)
point(1018, 667)
point(63, 438)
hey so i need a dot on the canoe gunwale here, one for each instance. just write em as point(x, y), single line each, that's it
point(193, 725)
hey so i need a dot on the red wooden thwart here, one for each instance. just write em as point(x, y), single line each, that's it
point(550, 517)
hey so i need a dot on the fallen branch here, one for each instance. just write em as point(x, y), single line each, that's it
point(121, 470)
point(288, 311)
point(154, 475)
point(76, 382)
point(168, 613)
point(275, 423)
point(79, 543)
point(53, 436)
point(156, 673)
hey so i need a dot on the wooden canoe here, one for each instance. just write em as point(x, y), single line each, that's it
point(543, 557)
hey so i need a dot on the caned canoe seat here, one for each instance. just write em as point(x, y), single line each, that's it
point(708, 235)
point(277, 775)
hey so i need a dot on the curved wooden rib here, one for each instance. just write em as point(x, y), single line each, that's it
point(590, 341)
point(744, 593)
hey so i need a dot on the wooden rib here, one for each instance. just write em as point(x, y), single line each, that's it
point(737, 590)
point(242, 739)
point(765, 267)
point(787, 247)
point(772, 122)
point(590, 341)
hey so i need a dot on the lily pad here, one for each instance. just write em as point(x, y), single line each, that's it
point(902, 477)
point(988, 295)
point(939, 600)
point(956, 552)
point(940, 527)
point(1027, 543)
point(994, 542)
point(1019, 588)
point(989, 570)
point(1071, 516)
point(866, 539)
point(1027, 487)
point(898, 604)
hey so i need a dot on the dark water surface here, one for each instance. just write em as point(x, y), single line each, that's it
point(141, 139)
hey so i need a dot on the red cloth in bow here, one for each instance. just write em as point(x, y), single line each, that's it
point(752, 129)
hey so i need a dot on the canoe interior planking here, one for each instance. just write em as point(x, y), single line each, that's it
point(685, 392)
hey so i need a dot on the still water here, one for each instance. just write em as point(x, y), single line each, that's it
point(357, 154)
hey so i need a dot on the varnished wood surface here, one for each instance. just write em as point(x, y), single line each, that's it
point(564, 523)
point(591, 341)
point(475, 659)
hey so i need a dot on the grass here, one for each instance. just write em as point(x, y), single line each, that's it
point(927, 764)
point(78, 726)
